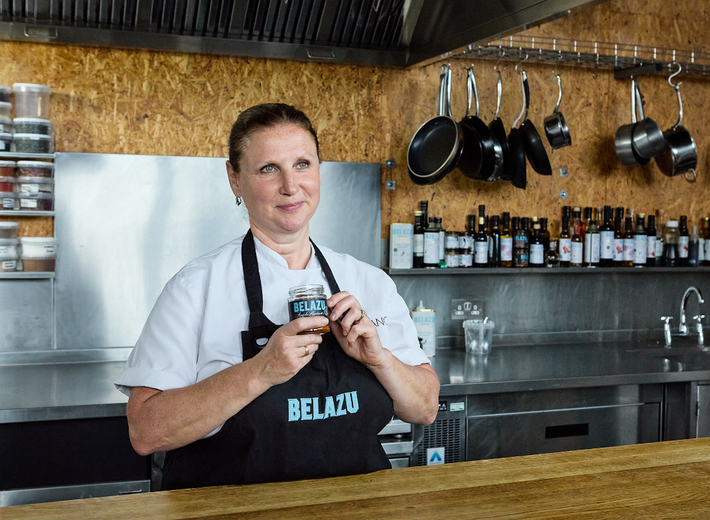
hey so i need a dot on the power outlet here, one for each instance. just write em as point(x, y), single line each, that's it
point(466, 309)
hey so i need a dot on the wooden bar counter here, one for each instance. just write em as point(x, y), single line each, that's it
point(658, 480)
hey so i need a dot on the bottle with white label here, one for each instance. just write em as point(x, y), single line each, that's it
point(640, 240)
point(606, 240)
point(506, 242)
point(592, 244)
point(683, 241)
point(651, 241)
point(565, 247)
point(425, 324)
point(537, 248)
point(401, 254)
point(480, 245)
point(431, 244)
point(418, 241)
point(694, 245)
point(618, 239)
point(628, 260)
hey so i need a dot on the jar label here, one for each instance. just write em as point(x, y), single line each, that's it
point(640, 249)
point(628, 250)
point(8, 265)
point(453, 260)
point(683, 247)
point(618, 250)
point(29, 188)
point(481, 253)
point(49, 250)
point(8, 203)
point(306, 308)
point(28, 203)
point(8, 250)
point(466, 260)
point(431, 248)
point(651, 247)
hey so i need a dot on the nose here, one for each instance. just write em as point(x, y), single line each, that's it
point(289, 186)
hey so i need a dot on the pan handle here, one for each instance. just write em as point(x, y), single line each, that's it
point(472, 90)
point(522, 110)
point(633, 101)
point(676, 87)
point(440, 100)
point(499, 94)
point(639, 102)
point(448, 92)
point(559, 95)
point(527, 92)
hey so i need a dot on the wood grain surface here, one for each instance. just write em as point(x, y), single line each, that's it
point(656, 480)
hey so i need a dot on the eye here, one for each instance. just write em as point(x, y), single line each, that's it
point(268, 168)
point(303, 164)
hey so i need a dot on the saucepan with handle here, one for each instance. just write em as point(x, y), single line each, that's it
point(556, 128)
point(516, 144)
point(681, 153)
point(624, 141)
point(648, 138)
point(498, 129)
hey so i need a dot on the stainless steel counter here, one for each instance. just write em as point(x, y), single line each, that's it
point(69, 390)
point(543, 367)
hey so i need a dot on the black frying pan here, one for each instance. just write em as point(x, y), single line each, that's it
point(479, 141)
point(437, 145)
point(498, 130)
point(534, 147)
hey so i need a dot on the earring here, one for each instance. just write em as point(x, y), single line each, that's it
point(238, 201)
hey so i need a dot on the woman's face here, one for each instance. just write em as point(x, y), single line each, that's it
point(279, 179)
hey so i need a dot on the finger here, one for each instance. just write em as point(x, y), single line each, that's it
point(341, 309)
point(333, 300)
point(298, 325)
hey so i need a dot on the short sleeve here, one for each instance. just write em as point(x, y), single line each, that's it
point(402, 339)
point(165, 356)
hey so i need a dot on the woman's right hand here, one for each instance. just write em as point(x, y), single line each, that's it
point(287, 352)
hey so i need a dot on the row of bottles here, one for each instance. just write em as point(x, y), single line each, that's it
point(597, 237)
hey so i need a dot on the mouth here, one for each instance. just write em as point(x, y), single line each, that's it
point(291, 207)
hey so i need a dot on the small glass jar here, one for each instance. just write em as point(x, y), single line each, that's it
point(453, 258)
point(305, 301)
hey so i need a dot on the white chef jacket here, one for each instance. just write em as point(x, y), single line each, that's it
point(194, 329)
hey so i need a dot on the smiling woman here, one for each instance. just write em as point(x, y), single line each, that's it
point(232, 394)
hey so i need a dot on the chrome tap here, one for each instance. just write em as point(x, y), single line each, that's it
point(701, 336)
point(683, 327)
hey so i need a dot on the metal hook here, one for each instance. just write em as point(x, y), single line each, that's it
point(495, 67)
point(680, 68)
point(516, 66)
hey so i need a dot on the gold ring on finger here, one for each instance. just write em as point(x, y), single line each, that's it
point(307, 351)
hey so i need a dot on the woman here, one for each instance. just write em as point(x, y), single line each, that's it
point(230, 393)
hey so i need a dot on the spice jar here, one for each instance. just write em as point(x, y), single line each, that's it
point(7, 200)
point(35, 169)
point(36, 201)
point(33, 143)
point(305, 301)
point(7, 168)
point(32, 125)
point(8, 263)
point(8, 229)
point(33, 185)
point(8, 246)
point(7, 184)
point(38, 253)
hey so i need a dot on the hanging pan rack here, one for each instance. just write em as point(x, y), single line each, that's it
point(625, 59)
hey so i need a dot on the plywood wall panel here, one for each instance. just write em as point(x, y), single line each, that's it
point(132, 101)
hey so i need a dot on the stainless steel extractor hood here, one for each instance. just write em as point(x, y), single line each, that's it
point(394, 33)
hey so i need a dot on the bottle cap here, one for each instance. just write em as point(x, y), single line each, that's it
point(672, 223)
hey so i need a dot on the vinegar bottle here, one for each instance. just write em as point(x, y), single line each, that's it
point(693, 247)
point(537, 248)
point(683, 241)
point(640, 240)
point(418, 242)
point(628, 260)
point(606, 236)
point(651, 241)
point(480, 245)
point(565, 244)
point(670, 245)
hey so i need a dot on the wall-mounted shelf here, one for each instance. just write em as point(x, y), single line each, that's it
point(543, 270)
point(23, 155)
point(590, 54)
point(25, 213)
point(21, 275)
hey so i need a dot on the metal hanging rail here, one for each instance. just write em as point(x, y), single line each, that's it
point(620, 57)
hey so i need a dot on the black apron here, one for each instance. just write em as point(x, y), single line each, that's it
point(323, 422)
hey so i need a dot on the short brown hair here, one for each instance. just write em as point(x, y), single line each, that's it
point(266, 115)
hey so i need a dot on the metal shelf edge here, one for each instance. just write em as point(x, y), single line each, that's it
point(541, 270)
point(24, 213)
point(21, 275)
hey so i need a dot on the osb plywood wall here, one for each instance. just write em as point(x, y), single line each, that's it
point(127, 101)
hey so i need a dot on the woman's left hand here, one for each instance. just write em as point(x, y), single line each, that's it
point(356, 333)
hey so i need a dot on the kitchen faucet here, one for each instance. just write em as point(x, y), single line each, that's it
point(683, 327)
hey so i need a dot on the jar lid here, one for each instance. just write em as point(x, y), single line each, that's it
point(38, 195)
point(30, 87)
point(5, 104)
point(7, 194)
point(5, 136)
point(9, 241)
point(672, 223)
point(9, 225)
point(35, 164)
point(31, 180)
point(7, 164)
point(9, 257)
point(38, 240)
point(7, 90)
point(5, 120)
point(32, 137)
point(31, 120)
point(12, 179)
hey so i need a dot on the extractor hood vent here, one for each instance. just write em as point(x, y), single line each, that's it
point(377, 32)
